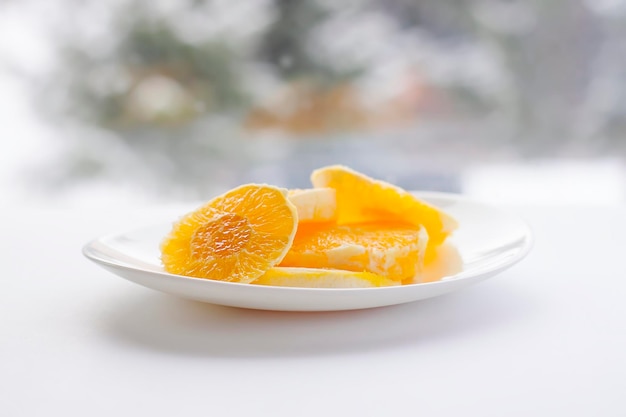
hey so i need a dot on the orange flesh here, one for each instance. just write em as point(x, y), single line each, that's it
point(363, 199)
point(376, 229)
point(237, 236)
point(394, 251)
point(322, 278)
point(224, 236)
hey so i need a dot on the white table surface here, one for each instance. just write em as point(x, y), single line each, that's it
point(545, 338)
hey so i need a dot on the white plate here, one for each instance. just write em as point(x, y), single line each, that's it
point(488, 240)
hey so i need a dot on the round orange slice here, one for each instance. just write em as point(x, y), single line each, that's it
point(237, 236)
point(391, 250)
point(322, 278)
point(363, 199)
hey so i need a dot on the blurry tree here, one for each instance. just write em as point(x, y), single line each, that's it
point(549, 53)
point(161, 98)
point(604, 115)
point(176, 100)
point(285, 44)
point(447, 20)
point(319, 97)
point(549, 50)
point(151, 77)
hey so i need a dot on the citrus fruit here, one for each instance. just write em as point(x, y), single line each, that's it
point(363, 199)
point(392, 250)
point(315, 204)
point(322, 278)
point(236, 237)
point(446, 261)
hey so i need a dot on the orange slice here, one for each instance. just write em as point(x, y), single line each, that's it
point(322, 278)
point(394, 251)
point(363, 199)
point(315, 204)
point(237, 236)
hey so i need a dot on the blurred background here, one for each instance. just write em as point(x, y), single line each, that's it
point(145, 102)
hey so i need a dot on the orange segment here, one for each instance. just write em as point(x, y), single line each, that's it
point(363, 199)
point(394, 251)
point(237, 236)
point(322, 278)
point(446, 261)
point(315, 204)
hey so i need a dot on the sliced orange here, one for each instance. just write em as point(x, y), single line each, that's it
point(237, 236)
point(322, 278)
point(445, 261)
point(315, 204)
point(363, 199)
point(392, 250)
